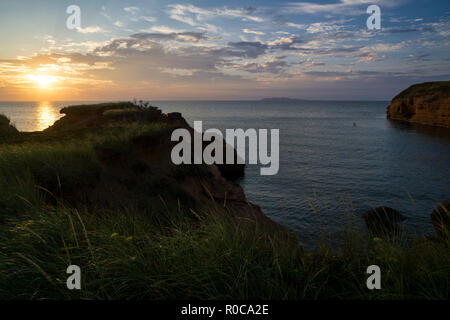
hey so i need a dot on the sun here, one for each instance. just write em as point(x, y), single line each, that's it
point(44, 81)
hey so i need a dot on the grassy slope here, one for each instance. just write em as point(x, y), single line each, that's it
point(166, 251)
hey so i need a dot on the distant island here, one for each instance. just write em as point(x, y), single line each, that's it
point(425, 103)
point(281, 99)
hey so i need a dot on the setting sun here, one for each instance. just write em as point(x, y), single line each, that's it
point(44, 81)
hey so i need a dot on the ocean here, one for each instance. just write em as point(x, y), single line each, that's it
point(337, 159)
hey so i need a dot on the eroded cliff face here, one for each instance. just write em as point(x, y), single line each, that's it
point(426, 103)
point(142, 167)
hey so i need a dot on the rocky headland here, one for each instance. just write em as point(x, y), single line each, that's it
point(131, 171)
point(426, 103)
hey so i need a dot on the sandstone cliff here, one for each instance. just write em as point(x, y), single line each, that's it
point(426, 103)
point(142, 166)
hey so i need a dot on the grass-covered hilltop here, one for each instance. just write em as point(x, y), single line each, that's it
point(98, 190)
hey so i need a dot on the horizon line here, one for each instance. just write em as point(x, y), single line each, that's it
point(204, 100)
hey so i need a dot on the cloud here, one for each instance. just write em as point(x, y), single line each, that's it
point(296, 25)
point(349, 74)
point(209, 28)
point(368, 56)
point(70, 69)
point(182, 52)
point(389, 47)
point(143, 18)
point(349, 7)
point(148, 18)
point(188, 20)
point(405, 29)
point(104, 14)
point(94, 29)
point(323, 27)
point(272, 65)
point(286, 43)
point(442, 27)
point(195, 16)
point(417, 25)
point(132, 10)
point(420, 57)
point(243, 13)
point(260, 33)
point(146, 42)
point(158, 54)
point(178, 36)
point(249, 49)
point(344, 50)
point(162, 29)
point(311, 63)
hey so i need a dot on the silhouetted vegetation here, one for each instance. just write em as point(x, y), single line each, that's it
point(90, 196)
point(6, 128)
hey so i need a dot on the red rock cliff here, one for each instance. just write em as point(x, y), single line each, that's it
point(426, 103)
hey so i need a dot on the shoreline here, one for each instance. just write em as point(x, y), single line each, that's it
point(99, 190)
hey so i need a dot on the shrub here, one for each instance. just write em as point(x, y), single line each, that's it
point(6, 128)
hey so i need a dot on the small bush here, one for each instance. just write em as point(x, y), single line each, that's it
point(6, 128)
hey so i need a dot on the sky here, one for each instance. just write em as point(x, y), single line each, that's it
point(220, 50)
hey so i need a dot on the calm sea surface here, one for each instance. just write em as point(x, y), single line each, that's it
point(336, 159)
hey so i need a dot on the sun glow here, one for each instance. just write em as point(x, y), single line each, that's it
point(47, 115)
point(44, 81)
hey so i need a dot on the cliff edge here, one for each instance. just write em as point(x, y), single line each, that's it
point(139, 166)
point(425, 103)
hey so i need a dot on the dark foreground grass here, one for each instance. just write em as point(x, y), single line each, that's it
point(167, 252)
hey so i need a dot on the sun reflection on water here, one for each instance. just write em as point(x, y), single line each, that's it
point(47, 115)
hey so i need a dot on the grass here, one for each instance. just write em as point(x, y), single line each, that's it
point(135, 255)
point(437, 88)
point(164, 247)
